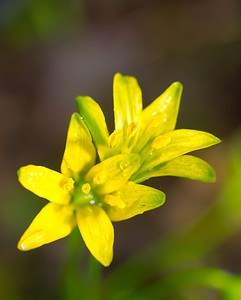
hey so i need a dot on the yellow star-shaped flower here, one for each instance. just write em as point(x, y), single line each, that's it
point(148, 132)
point(92, 191)
point(85, 194)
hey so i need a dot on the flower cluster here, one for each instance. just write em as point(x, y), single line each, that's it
point(101, 173)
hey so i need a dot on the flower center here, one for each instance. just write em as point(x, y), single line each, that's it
point(84, 195)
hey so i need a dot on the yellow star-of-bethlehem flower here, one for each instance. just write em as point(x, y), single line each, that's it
point(92, 191)
point(84, 194)
point(149, 132)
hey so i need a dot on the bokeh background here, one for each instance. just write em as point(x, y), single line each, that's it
point(53, 50)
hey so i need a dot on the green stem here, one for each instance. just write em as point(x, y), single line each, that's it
point(81, 273)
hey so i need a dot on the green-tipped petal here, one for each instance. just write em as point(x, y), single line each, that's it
point(94, 118)
point(186, 166)
point(52, 223)
point(109, 175)
point(46, 183)
point(97, 232)
point(174, 144)
point(127, 100)
point(161, 115)
point(135, 199)
point(79, 154)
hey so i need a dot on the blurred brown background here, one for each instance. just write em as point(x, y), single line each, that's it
point(52, 51)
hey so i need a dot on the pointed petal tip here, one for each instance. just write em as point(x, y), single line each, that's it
point(118, 74)
point(218, 140)
point(177, 84)
point(79, 99)
point(24, 245)
point(21, 246)
point(105, 260)
point(106, 263)
point(177, 88)
point(20, 170)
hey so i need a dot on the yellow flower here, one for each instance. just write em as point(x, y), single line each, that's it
point(85, 194)
point(148, 132)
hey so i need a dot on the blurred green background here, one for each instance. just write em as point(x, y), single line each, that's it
point(50, 52)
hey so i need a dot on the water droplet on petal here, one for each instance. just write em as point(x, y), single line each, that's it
point(39, 235)
point(123, 165)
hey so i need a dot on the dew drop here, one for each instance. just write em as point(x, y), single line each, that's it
point(92, 202)
point(123, 165)
point(154, 113)
point(39, 235)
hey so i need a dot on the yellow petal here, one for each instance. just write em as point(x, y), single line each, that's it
point(186, 166)
point(94, 118)
point(174, 144)
point(52, 223)
point(46, 183)
point(114, 201)
point(161, 115)
point(97, 232)
point(112, 173)
point(79, 152)
point(116, 139)
point(137, 199)
point(127, 100)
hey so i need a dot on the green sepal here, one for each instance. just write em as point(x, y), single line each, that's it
point(94, 118)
